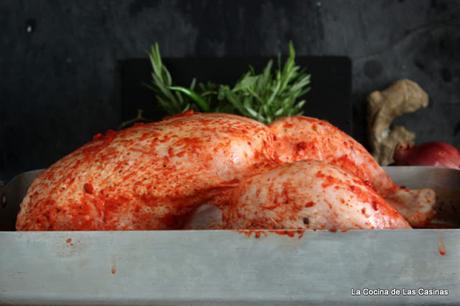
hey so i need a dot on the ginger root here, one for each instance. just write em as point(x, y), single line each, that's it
point(404, 96)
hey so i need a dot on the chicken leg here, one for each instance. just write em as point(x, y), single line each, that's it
point(308, 195)
point(304, 138)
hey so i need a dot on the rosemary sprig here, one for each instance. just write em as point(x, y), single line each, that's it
point(139, 118)
point(263, 97)
point(266, 97)
point(172, 102)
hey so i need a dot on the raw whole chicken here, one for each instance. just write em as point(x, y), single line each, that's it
point(155, 176)
point(304, 138)
point(308, 195)
point(147, 176)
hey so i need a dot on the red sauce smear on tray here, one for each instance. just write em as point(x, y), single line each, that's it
point(259, 233)
point(441, 247)
point(250, 233)
point(69, 242)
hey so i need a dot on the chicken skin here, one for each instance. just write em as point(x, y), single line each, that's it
point(308, 195)
point(305, 138)
point(154, 176)
point(147, 176)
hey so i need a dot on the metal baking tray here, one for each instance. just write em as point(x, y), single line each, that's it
point(235, 268)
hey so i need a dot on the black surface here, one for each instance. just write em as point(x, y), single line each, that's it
point(58, 59)
point(329, 98)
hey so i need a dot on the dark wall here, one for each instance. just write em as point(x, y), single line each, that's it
point(58, 58)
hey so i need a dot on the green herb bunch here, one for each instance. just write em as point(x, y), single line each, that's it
point(263, 97)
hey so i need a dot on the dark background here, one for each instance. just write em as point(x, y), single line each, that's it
point(58, 59)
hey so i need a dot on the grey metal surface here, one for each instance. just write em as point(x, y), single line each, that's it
point(425, 177)
point(233, 268)
point(224, 267)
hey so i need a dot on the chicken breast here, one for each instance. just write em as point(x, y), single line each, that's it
point(308, 195)
point(304, 138)
point(147, 176)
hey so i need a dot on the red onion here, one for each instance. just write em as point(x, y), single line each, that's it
point(437, 154)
